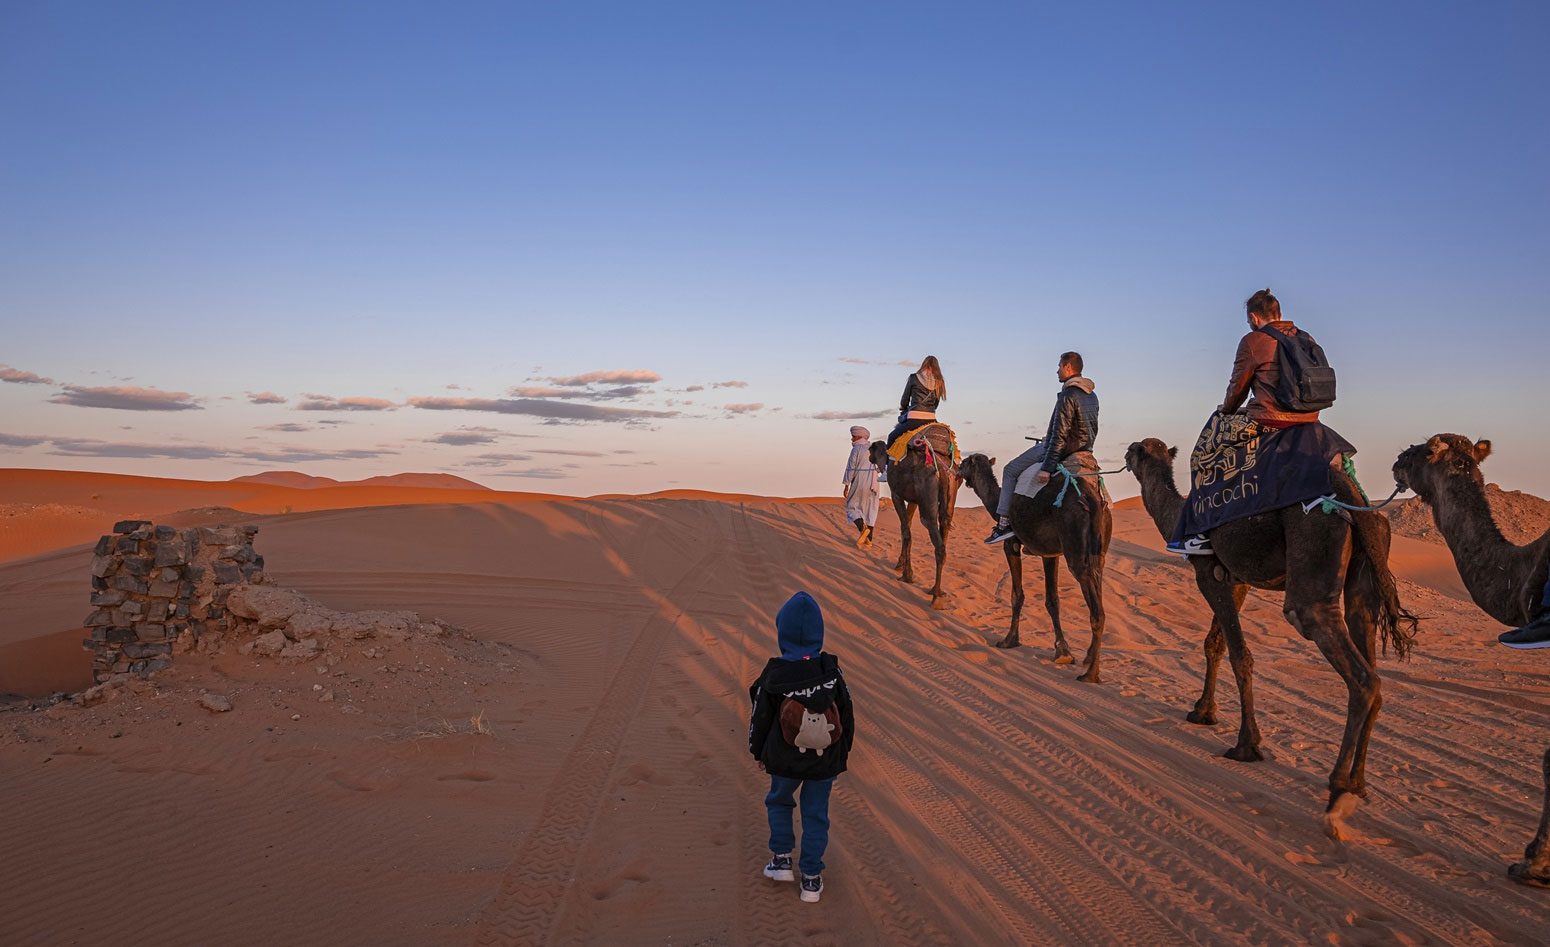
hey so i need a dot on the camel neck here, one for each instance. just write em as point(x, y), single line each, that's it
point(1160, 496)
point(1495, 571)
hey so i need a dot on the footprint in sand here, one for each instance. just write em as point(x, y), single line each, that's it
point(614, 886)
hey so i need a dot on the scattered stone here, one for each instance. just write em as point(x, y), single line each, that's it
point(271, 643)
point(295, 716)
point(350, 709)
point(326, 696)
point(129, 526)
point(215, 703)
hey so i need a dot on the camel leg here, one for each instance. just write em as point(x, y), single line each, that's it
point(1363, 606)
point(931, 518)
point(1215, 646)
point(1535, 867)
point(1063, 653)
point(906, 513)
point(1090, 578)
point(1014, 565)
point(1226, 600)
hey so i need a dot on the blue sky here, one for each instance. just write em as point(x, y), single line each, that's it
point(382, 200)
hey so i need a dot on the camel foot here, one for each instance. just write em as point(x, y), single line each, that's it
point(1525, 874)
point(1340, 809)
point(1244, 754)
point(939, 603)
point(1091, 677)
point(1010, 642)
point(906, 578)
point(1205, 718)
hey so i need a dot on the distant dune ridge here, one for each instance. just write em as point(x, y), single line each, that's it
point(575, 770)
point(1522, 517)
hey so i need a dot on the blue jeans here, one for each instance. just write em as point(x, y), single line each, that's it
point(1014, 469)
point(815, 819)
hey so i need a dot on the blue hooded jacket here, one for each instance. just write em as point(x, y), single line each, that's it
point(799, 627)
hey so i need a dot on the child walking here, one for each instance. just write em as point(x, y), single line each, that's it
point(801, 732)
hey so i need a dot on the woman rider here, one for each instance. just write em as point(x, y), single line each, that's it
point(922, 393)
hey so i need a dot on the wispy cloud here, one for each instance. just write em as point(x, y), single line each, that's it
point(847, 415)
point(583, 394)
point(314, 402)
point(19, 377)
point(21, 440)
point(87, 447)
point(463, 438)
point(127, 399)
point(852, 360)
point(729, 384)
point(265, 397)
point(535, 407)
point(692, 388)
point(495, 460)
point(567, 453)
point(637, 376)
point(745, 408)
point(288, 427)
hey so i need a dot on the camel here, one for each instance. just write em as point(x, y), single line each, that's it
point(1317, 559)
point(1078, 529)
point(930, 486)
point(1505, 580)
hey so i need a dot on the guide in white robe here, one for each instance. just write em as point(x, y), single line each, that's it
point(861, 488)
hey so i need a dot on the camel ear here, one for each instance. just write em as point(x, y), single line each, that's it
point(1435, 448)
point(1482, 451)
point(1173, 452)
point(991, 461)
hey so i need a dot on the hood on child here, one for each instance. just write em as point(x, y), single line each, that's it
point(799, 627)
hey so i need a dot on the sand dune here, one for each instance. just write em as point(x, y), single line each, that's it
point(992, 798)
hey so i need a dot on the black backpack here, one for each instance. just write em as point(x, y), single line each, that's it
point(1307, 382)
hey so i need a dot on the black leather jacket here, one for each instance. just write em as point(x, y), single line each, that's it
point(917, 397)
point(1073, 425)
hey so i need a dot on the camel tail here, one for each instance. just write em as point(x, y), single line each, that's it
point(1396, 625)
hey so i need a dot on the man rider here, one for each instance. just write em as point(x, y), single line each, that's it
point(1073, 427)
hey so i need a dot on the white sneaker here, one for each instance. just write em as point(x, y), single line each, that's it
point(779, 868)
point(812, 888)
point(1193, 546)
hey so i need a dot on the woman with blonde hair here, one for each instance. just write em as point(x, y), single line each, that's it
point(922, 393)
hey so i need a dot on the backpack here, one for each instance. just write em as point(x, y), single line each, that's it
point(808, 729)
point(1307, 382)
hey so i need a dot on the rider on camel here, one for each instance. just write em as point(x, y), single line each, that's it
point(1073, 427)
point(922, 393)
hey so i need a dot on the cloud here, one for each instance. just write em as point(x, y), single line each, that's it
point(265, 397)
point(463, 438)
point(87, 447)
point(329, 403)
point(19, 377)
point(457, 388)
point(692, 388)
point(847, 415)
point(536, 407)
point(290, 427)
point(21, 440)
point(745, 408)
point(536, 473)
point(729, 384)
point(616, 377)
point(568, 453)
point(495, 460)
point(852, 360)
point(584, 394)
point(126, 399)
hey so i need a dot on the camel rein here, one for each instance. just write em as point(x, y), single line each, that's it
point(1332, 502)
point(1071, 478)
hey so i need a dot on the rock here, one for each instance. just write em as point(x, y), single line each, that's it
point(129, 526)
point(184, 643)
point(227, 574)
point(271, 643)
point(303, 650)
point(350, 709)
point(326, 696)
point(136, 566)
point(128, 583)
point(169, 555)
point(99, 617)
point(295, 716)
point(215, 703)
point(104, 545)
point(149, 631)
point(101, 566)
point(353, 625)
point(97, 694)
point(309, 623)
point(109, 598)
point(269, 606)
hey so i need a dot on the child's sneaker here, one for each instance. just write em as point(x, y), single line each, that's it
point(812, 887)
point(779, 868)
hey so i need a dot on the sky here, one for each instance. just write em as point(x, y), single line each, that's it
point(585, 247)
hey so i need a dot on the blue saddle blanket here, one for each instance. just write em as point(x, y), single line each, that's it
point(1240, 469)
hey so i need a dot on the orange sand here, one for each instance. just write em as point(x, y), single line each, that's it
point(992, 798)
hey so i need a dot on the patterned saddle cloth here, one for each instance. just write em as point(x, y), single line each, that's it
point(937, 438)
point(1082, 463)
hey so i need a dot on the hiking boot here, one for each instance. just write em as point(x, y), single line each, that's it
point(1000, 534)
point(1536, 634)
point(779, 868)
point(812, 888)
point(1193, 546)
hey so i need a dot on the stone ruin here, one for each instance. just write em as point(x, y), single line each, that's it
point(160, 591)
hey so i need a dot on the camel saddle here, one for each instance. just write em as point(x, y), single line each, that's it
point(935, 439)
point(1082, 463)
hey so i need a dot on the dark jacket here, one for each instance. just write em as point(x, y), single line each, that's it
point(817, 685)
point(917, 397)
point(1255, 369)
point(1073, 425)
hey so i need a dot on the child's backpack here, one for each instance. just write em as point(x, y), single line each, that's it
point(1307, 382)
point(806, 729)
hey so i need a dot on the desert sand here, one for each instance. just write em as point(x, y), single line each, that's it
point(577, 773)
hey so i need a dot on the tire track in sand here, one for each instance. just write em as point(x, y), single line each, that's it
point(542, 870)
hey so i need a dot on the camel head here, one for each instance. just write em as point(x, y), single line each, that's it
point(1148, 451)
point(1424, 468)
point(979, 472)
point(878, 452)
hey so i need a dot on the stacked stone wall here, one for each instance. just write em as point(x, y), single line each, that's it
point(158, 591)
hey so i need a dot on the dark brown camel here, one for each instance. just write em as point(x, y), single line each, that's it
point(1505, 580)
point(1317, 559)
point(932, 487)
point(1077, 530)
